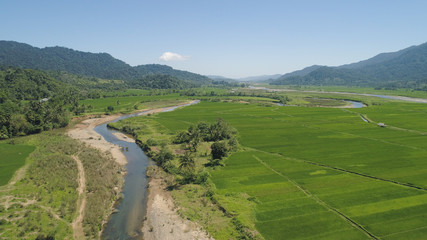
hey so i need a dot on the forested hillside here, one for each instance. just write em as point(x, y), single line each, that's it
point(406, 68)
point(31, 101)
point(101, 65)
point(160, 81)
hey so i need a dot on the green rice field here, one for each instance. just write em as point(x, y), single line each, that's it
point(13, 157)
point(321, 173)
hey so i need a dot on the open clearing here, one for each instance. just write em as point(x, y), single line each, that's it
point(321, 173)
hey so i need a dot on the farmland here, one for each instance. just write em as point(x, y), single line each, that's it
point(13, 157)
point(320, 173)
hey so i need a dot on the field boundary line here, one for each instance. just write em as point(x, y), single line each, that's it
point(388, 126)
point(410, 230)
point(359, 174)
point(408, 185)
point(318, 200)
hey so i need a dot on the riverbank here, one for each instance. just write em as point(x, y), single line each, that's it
point(84, 132)
point(162, 219)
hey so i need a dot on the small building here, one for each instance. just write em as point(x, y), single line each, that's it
point(382, 125)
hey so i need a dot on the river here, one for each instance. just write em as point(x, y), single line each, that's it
point(126, 222)
point(407, 99)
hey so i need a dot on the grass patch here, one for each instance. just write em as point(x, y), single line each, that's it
point(13, 157)
point(43, 202)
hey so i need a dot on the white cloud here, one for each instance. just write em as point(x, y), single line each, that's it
point(170, 56)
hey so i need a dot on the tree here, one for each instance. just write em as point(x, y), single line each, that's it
point(220, 130)
point(186, 162)
point(182, 137)
point(4, 133)
point(164, 156)
point(203, 129)
point(110, 108)
point(218, 150)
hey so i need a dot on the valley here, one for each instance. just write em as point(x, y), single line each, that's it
point(111, 151)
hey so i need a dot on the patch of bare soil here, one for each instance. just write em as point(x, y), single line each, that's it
point(163, 222)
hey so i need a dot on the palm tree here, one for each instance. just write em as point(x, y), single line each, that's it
point(186, 162)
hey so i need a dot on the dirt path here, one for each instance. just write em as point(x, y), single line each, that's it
point(77, 224)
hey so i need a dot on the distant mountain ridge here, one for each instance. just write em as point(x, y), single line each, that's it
point(302, 72)
point(101, 65)
point(259, 78)
point(404, 68)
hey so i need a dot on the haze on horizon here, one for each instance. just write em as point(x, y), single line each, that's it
point(227, 38)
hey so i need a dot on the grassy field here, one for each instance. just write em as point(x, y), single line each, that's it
point(42, 203)
point(320, 173)
point(13, 157)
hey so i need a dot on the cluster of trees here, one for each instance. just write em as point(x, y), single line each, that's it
point(31, 102)
point(222, 136)
point(216, 132)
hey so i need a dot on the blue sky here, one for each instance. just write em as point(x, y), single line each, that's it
point(230, 38)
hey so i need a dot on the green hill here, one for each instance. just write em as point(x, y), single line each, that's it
point(100, 65)
point(31, 101)
point(406, 68)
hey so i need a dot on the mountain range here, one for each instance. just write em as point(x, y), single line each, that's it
point(100, 65)
point(404, 68)
point(259, 78)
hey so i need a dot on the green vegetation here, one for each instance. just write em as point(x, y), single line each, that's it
point(160, 81)
point(100, 65)
point(31, 102)
point(183, 156)
point(309, 169)
point(42, 203)
point(13, 157)
point(127, 104)
point(306, 172)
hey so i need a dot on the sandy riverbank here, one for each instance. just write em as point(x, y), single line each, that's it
point(84, 131)
point(163, 221)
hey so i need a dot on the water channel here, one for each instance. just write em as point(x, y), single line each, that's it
point(126, 222)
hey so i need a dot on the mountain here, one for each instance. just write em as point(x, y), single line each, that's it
point(382, 57)
point(157, 69)
point(302, 72)
point(101, 65)
point(259, 78)
point(245, 79)
point(404, 68)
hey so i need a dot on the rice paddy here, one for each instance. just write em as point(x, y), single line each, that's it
point(13, 157)
point(322, 173)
